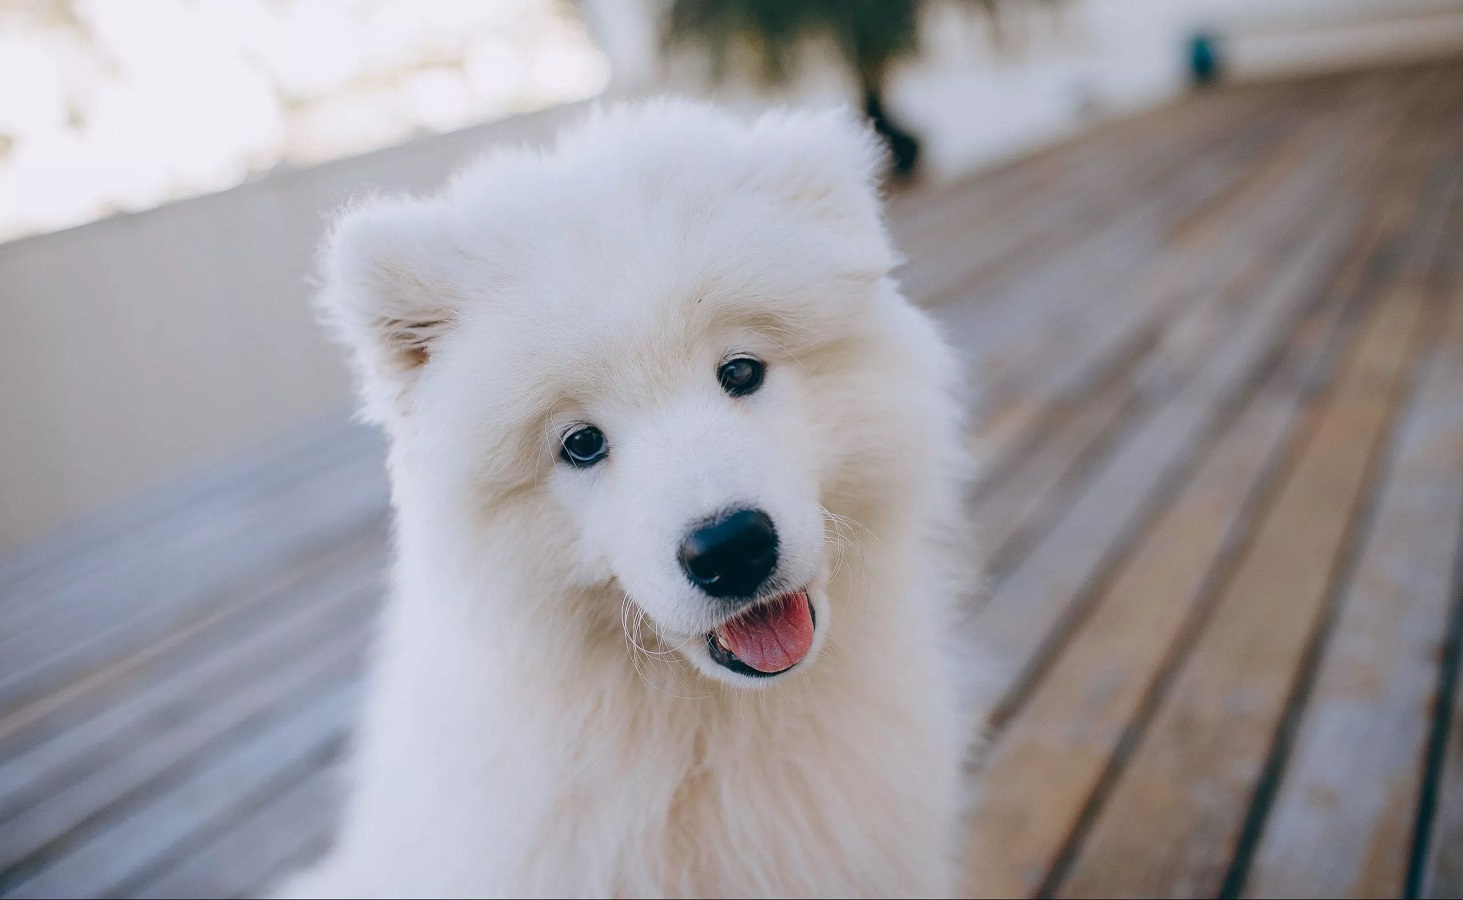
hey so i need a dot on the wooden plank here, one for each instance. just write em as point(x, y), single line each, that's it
point(239, 520)
point(1037, 305)
point(1176, 812)
point(99, 861)
point(359, 559)
point(1020, 237)
point(1045, 477)
point(989, 323)
point(1011, 511)
point(929, 220)
point(282, 836)
point(1049, 760)
point(1040, 438)
point(37, 830)
point(1442, 875)
point(1028, 605)
point(1133, 220)
point(303, 617)
point(1216, 239)
point(1440, 850)
point(1044, 768)
point(1182, 310)
point(1101, 189)
point(100, 545)
point(1048, 585)
point(1342, 822)
point(1021, 398)
point(188, 581)
point(1271, 205)
point(40, 719)
point(232, 503)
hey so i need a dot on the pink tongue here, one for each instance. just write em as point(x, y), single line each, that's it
point(772, 636)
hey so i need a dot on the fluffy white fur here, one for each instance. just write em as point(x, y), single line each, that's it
point(544, 718)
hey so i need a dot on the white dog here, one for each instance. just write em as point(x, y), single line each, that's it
point(678, 477)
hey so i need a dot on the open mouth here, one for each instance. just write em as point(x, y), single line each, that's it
point(767, 638)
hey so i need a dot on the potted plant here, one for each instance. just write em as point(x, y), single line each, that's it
point(869, 35)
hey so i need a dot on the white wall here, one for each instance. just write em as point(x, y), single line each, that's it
point(138, 346)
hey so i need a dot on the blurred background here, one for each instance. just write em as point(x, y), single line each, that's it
point(1202, 256)
point(182, 335)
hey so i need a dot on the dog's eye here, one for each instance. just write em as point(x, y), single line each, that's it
point(583, 447)
point(741, 376)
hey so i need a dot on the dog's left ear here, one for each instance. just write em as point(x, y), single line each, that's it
point(828, 165)
point(388, 294)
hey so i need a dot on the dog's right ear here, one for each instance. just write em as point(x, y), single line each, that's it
point(388, 294)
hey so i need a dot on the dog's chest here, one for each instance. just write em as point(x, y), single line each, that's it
point(782, 817)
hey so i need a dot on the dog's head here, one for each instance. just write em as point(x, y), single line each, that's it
point(644, 360)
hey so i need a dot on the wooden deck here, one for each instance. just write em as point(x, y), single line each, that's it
point(1222, 352)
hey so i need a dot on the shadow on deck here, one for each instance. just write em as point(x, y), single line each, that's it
point(1221, 347)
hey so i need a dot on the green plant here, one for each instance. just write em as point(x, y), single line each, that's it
point(870, 36)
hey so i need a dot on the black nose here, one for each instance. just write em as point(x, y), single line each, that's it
point(732, 555)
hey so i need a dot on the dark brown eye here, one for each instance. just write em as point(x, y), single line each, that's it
point(584, 446)
point(741, 376)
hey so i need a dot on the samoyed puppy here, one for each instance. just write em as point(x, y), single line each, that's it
point(678, 478)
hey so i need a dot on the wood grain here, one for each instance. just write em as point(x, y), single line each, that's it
point(1176, 811)
point(1052, 756)
point(1343, 822)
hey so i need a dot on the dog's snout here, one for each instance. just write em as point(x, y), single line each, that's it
point(731, 556)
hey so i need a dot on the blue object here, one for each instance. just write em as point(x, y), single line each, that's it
point(1204, 58)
